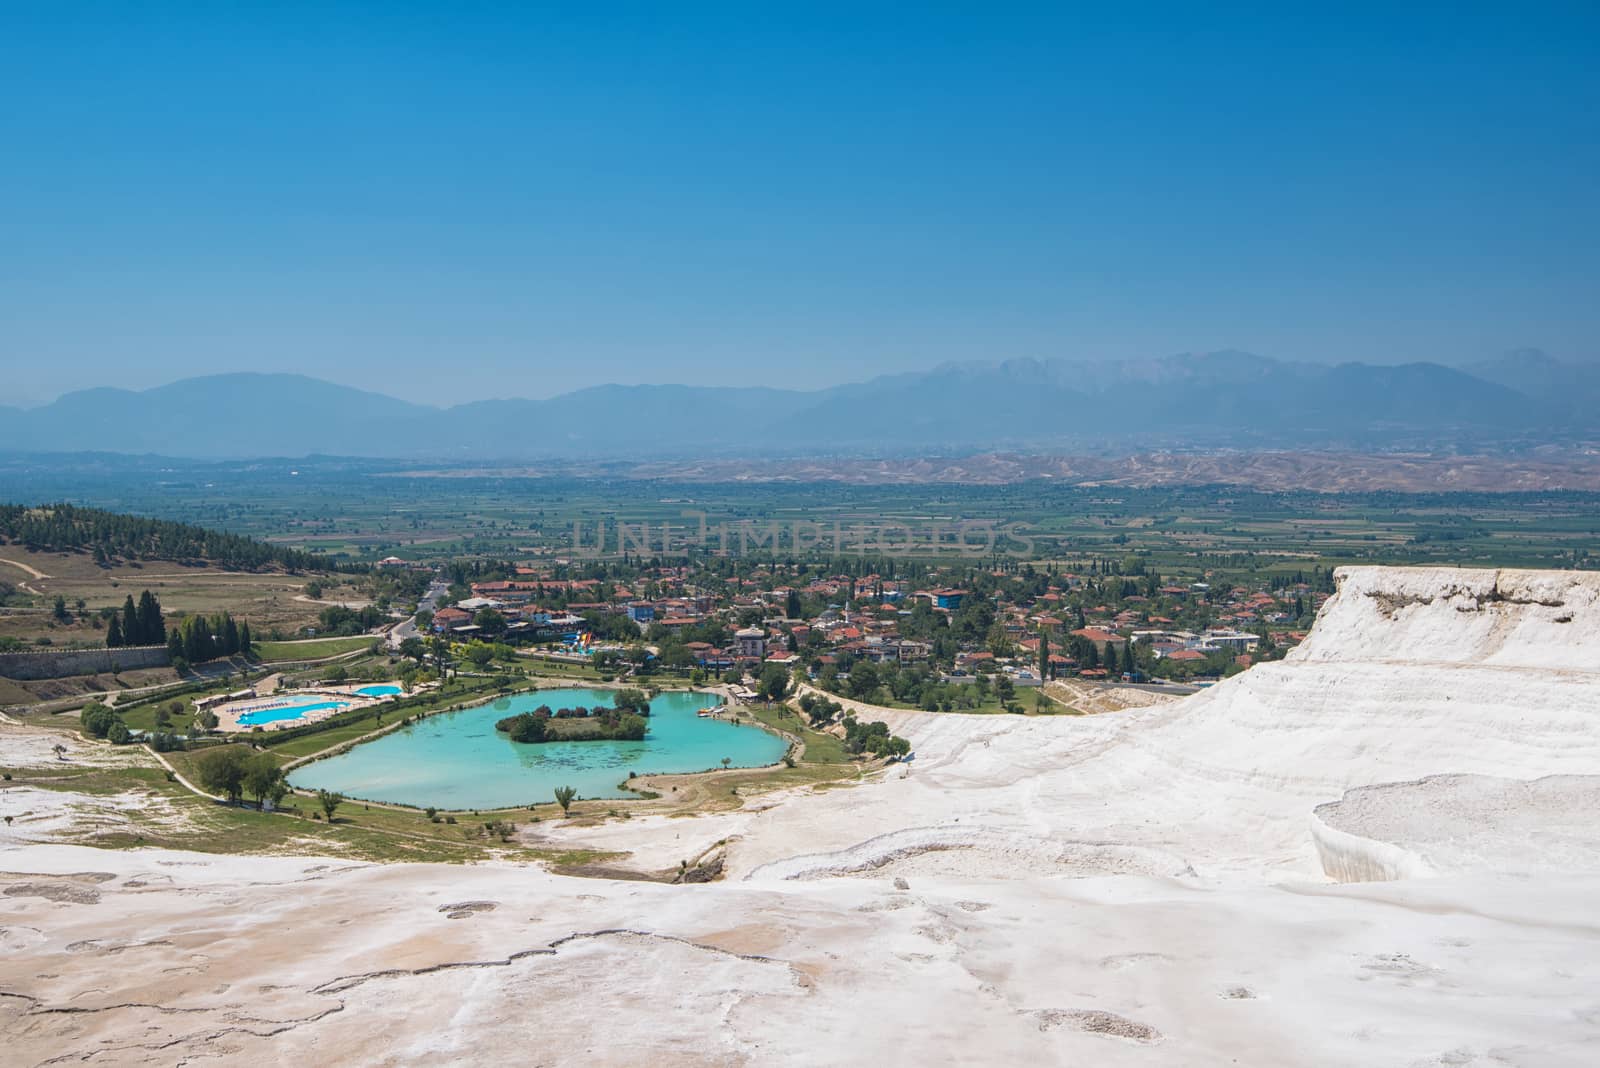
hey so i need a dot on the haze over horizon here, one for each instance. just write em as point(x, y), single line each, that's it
point(444, 207)
point(507, 391)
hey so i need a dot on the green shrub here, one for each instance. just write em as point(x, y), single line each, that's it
point(97, 719)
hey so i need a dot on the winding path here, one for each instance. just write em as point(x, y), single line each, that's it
point(32, 571)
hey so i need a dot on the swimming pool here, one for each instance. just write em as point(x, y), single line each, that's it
point(382, 689)
point(277, 715)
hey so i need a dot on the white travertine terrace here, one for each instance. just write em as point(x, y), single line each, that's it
point(1378, 851)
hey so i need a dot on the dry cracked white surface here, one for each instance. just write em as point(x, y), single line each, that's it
point(1141, 888)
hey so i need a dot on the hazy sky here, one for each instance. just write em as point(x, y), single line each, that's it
point(461, 200)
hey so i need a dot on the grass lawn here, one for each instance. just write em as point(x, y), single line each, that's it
point(295, 748)
point(563, 668)
point(143, 718)
point(821, 748)
point(187, 761)
point(177, 819)
point(315, 649)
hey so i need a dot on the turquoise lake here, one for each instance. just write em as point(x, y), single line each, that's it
point(458, 760)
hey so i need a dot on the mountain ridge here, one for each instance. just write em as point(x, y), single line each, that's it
point(1222, 397)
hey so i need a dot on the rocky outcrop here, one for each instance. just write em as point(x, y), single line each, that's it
point(1548, 620)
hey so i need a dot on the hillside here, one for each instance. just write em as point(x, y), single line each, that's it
point(111, 537)
point(88, 561)
point(1234, 399)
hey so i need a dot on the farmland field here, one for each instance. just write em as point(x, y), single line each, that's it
point(361, 511)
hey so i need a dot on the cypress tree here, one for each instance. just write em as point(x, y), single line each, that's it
point(1044, 654)
point(130, 622)
point(194, 640)
point(244, 638)
point(152, 628)
point(230, 637)
point(114, 632)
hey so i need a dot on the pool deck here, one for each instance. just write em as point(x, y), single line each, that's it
point(228, 715)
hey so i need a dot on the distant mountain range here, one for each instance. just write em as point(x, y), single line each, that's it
point(1226, 399)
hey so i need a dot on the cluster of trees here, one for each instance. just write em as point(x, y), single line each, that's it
point(636, 702)
point(391, 584)
point(435, 648)
point(820, 710)
point(604, 724)
point(141, 624)
point(345, 622)
point(917, 685)
point(198, 638)
point(526, 727)
point(490, 621)
point(234, 772)
point(167, 742)
point(873, 738)
point(1214, 664)
point(68, 528)
point(481, 654)
point(774, 683)
point(614, 627)
point(101, 722)
point(1088, 655)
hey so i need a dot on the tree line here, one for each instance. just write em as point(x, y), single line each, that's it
point(110, 535)
point(199, 638)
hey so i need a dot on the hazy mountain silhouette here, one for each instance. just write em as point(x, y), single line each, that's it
point(1568, 390)
point(1217, 398)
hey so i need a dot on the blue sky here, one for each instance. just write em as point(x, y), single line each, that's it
point(462, 200)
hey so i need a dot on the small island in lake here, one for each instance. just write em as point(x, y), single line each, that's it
point(625, 721)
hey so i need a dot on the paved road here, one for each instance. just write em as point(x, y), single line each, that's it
point(408, 628)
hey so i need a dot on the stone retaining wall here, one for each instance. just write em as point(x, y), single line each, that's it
point(60, 663)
